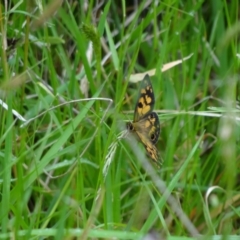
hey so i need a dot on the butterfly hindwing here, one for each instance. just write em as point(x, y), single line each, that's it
point(148, 131)
point(154, 130)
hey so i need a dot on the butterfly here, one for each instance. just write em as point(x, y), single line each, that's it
point(146, 123)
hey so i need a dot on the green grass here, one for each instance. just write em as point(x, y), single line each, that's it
point(54, 179)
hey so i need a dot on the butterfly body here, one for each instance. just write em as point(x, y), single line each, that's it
point(146, 125)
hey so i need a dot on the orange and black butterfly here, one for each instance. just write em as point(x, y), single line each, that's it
point(146, 123)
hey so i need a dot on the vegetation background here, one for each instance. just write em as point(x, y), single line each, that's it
point(68, 67)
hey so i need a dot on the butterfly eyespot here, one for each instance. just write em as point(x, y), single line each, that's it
point(151, 115)
point(153, 136)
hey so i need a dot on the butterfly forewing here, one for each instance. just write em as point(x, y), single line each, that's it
point(146, 100)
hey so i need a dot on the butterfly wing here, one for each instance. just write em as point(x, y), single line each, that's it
point(148, 131)
point(146, 100)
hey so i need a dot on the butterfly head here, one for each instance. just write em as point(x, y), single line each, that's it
point(130, 127)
